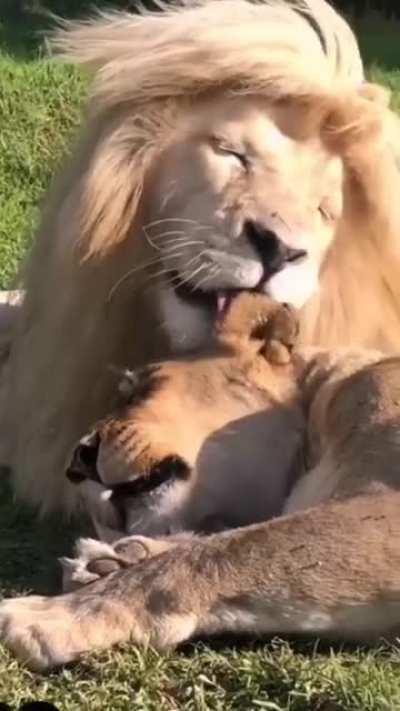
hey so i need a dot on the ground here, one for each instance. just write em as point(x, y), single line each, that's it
point(39, 112)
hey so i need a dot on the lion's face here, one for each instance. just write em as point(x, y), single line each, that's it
point(248, 197)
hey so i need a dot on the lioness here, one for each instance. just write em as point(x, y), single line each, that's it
point(221, 440)
point(187, 449)
point(329, 565)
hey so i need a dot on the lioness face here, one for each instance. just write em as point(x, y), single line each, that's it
point(246, 198)
point(204, 443)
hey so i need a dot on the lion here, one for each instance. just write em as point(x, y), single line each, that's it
point(228, 146)
point(327, 561)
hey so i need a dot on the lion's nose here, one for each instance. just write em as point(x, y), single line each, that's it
point(84, 459)
point(273, 252)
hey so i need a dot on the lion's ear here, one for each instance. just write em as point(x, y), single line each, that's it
point(352, 122)
point(357, 119)
point(112, 185)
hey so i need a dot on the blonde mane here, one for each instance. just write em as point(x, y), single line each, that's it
point(147, 68)
point(276, 47)
point(146, 65)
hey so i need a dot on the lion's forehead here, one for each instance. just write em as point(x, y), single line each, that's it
point(289, 160)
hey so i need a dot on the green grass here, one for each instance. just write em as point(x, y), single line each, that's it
point(39, 107)
point(39, 111)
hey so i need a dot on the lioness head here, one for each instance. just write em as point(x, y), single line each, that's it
point(202, 443)
point(246, 198)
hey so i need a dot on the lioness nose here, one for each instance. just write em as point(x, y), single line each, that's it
point(84, 460)
point(273, 251)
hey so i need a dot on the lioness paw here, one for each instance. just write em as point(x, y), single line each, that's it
point(255, 318)
point(36, 629)
point(95, 559)
point(49, 632)
point(280, 335)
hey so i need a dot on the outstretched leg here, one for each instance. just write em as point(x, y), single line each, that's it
point(333, 570)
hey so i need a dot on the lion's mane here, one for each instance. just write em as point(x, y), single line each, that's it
point(146, 67)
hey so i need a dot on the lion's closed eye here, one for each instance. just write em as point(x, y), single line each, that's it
point(224, 147)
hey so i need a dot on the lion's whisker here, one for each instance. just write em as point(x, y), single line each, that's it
point(198, 256)
point(128, 274)
point(160, 272)
point(140, 267)
point(213, 273)
point(204, 227)
point(192, 274)
point(151, 243)
point(171, 219)
point(161, 235)
point(172, 252)
point(187, 244)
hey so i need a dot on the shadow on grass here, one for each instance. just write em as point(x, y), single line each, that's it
point(22, 34)
point(381, 48)
point(22, 37)
point(29, 547)
point(378, 38)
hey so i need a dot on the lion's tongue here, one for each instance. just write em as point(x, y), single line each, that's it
point(222, 302)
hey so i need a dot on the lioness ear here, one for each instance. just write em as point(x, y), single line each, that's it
point(112, 185)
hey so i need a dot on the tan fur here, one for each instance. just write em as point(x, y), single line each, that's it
point(228, 427)
point(241, 400)
point(329, 567)
point(90, 301)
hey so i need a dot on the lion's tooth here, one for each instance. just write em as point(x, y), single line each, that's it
point(222, 300)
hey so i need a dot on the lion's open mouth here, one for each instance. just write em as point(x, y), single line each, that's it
point(223, 302)
point(273, 258)
point(216, 301)
point(294, 282)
